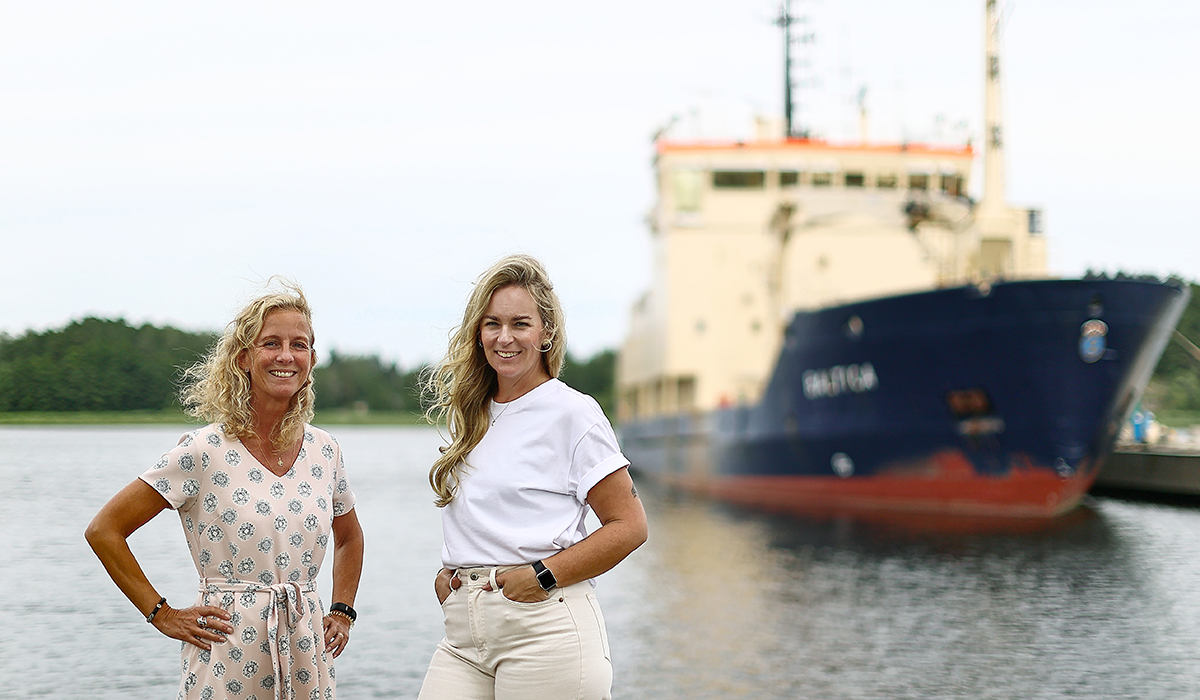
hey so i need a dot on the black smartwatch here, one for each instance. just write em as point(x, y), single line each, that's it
point(545, 576)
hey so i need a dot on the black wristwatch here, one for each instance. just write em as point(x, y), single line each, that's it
point(545, 576)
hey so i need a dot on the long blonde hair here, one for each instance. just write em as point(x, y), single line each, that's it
point(217, 390)
point(460, 387)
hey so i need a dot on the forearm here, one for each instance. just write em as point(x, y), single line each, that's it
point(598, 552)
point(347, 560)
point(108, 535)
point(113, 551)
point(622, 529)
point(588, 558)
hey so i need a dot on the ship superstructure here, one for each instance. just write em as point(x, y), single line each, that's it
point(747, 233)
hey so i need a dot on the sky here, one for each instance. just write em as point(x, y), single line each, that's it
point(159, 161)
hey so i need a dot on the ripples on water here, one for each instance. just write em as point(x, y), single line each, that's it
point(719, 604)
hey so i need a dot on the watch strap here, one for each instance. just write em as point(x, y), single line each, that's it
point(344, 609)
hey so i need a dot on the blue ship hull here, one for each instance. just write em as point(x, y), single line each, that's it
point(996, 401)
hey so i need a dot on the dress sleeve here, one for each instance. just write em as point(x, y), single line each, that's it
point(596, 456)
point(343, 497)
point(176, 474)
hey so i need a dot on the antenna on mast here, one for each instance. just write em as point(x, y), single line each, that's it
point(785, 20)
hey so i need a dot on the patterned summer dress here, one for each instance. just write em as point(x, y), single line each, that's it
point(257, 541)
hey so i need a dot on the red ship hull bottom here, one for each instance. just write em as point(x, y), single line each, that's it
point(944, 484)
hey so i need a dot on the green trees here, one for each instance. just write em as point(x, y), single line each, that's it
point(1176, 382)
point(95, 365)
point(108, 365)
point(365, 383)
point(594, 377)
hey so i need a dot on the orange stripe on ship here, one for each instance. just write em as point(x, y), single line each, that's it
point(945, 483)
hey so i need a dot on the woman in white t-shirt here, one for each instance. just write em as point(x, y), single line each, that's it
point(528, 457)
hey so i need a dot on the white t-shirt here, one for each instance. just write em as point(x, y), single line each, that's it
point(523, 493)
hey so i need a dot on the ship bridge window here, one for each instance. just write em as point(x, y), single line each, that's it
point(739, 179)
point(687, 189)
point(822, 179)
point(686, 393)
point(855, 180)
point(995, 256)
point(1035, 220)
point(952, 185)
point(789, 178)
point(918, 181)
point(887, 181)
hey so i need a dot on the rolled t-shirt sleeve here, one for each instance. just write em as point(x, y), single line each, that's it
point(596, 455)
point(176, 475)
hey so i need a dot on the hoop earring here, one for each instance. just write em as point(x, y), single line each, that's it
point(546, 346)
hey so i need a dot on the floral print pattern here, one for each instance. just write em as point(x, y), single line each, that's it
point(258, 541)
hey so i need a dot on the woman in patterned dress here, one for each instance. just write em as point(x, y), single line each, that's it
point(259, 491)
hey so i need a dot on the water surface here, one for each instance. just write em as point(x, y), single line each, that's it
point(720, 603)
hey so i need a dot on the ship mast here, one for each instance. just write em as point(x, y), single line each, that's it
point(785, 20)
point(993, 148)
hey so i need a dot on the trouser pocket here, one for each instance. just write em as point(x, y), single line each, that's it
point(456, 618)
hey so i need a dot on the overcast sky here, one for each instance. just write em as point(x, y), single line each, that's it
point(158, 160)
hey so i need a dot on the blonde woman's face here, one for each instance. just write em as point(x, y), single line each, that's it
point(512, 334)
point(281, 358)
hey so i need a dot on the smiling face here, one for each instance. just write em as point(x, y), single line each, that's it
point(512, 333)
point(280, 360)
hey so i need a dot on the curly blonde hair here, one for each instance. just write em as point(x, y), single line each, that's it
point(458, 389)
point(217, 389)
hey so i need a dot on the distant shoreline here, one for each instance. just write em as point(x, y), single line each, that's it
point(175, 417)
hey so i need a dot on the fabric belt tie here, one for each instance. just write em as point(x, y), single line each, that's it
point(289, 595)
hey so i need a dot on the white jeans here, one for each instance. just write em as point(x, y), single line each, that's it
point(498, 649)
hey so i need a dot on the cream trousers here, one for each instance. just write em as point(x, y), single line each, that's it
point(497, 649)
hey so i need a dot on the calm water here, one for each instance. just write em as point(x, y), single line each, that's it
point(719, 604)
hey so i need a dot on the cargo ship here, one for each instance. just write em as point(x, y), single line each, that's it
point(840, 327)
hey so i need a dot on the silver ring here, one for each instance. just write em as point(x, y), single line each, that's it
point(202, 621)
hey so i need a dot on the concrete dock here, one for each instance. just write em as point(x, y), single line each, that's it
point(1152, 468)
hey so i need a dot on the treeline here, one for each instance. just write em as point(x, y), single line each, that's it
point(1176, 382)
point(96, 365)
point(366, 383)
point(108, 365)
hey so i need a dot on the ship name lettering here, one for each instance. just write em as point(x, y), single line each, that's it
point(840, 379)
